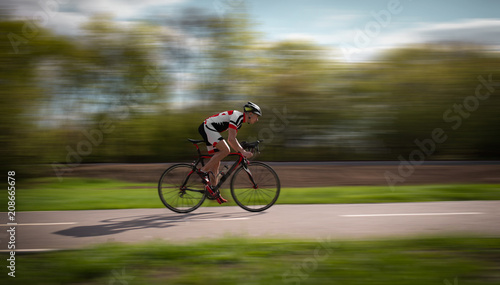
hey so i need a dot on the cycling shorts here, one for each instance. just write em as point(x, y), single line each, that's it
point(211, 137)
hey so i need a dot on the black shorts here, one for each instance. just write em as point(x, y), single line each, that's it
point(210, 136)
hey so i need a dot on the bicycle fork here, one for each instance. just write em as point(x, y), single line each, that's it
point(250, 176)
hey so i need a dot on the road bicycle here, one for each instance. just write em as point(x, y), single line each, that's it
point(255, 186)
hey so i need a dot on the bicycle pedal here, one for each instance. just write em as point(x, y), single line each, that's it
point(214, 195)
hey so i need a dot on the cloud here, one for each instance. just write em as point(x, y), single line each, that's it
point(120, 8)
point(88, 7)
point(479, 31)
point(337, 19)
point(66, 16)
point(483, 32)
point(67, 23)
point(297, 37)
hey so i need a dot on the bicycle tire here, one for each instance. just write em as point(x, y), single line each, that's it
point(260, 198)
point(178, 191)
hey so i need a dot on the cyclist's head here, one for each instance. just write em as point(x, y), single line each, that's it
point(252, 108)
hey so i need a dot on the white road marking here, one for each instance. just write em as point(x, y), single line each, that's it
point(37, 224)
point(412, 214)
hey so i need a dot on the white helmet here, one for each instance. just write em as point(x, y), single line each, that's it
point(252, 107)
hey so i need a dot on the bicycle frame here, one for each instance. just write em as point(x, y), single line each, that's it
point(240, 161)
point(194, 186)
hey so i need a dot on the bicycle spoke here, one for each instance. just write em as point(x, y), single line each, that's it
point(180, 190)
point(264, 193)
point(248, 192)
point(256, 197)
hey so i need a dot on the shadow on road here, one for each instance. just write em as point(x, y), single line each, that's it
point(123, 224)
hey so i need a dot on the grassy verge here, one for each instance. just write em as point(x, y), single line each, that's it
point(439, 261)
point(87, 194)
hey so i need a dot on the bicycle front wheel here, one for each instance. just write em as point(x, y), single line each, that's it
point(256, 188)
point(181, 189)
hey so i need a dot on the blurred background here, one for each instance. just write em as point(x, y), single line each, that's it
point(113, 81)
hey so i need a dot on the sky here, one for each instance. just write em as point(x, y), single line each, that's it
point(356, 29)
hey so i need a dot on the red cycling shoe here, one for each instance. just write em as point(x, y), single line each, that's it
point(215, 195)
point(221, 200)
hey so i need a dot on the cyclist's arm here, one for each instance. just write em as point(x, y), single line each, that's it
point(233, 142)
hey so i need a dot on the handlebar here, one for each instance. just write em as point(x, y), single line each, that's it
point(251, 146)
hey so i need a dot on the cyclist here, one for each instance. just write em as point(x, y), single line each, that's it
point(230, 121)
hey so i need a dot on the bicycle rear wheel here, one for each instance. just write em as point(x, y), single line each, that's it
point(255, 189)
point(180, 189)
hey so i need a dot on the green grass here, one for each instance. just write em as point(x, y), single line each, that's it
point(439, 261)
point(86, 194)
point(382, 194)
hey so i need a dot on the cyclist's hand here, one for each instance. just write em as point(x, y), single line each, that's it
point(247, 154)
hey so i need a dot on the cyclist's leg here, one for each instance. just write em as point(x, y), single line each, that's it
point(213, 139)
point(214, 163)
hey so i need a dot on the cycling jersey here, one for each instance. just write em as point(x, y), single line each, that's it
point(211, 128)
point(224, 120)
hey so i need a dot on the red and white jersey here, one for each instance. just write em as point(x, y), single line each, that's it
point(224, 120)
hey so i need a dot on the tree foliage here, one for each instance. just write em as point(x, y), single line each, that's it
point(115, 94)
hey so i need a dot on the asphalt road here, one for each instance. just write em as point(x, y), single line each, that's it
point(52, 230)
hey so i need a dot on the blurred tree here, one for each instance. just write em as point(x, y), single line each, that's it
point(114, 70)
point(223, 48)
point(22, 49)
point(296, 75)
point(49, 81)
point(417, 86)
point(56, 90)
point(230, 55)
